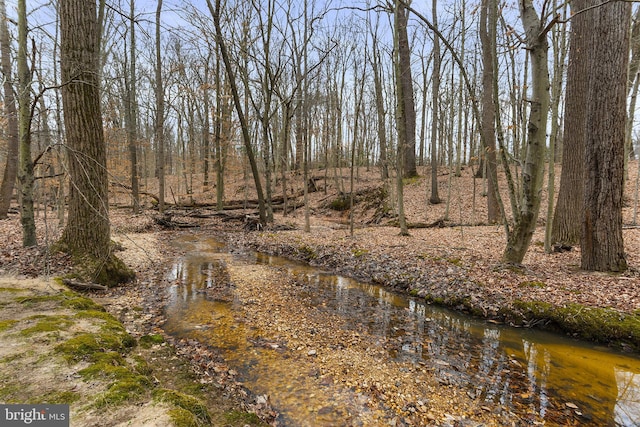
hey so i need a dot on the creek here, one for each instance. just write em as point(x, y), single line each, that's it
point(331, 351)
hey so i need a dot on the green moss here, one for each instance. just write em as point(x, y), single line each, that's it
point(595, 324)
point(141, 366)
point(7, 324)
point(9, 392)
point(341, 203)
point(96, 314)
point(413, 292)
point(38, 299)
point(5, 289)
point(183, 418)
point(10, 358)
point(186, 402)
point(68, 299)
point(109, 365)
point(455, 261)
point(356, 252)
point(78, 302)
point(148, 341)
point(86, 346)
point(434, 300)
point(307, 253)
point(514, 268)
point(48, 324)
point(129, 388)
point(56, 398)
point(126, 384)
point(238, 417)
point(532, 284)
point(105, 270)
point(109, 323)
point(411, 181)
point(113, 272)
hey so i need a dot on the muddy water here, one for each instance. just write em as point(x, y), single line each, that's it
point(505, 371)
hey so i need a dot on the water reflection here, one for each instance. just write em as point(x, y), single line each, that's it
point(529, 372)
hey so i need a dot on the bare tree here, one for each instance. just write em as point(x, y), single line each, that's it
point(633, 85)
point(215, 13)
point(11, 165)
point(131, 112)
point(559, 38)
point(519, 239)
point(159, 125)
point(380, 108)
point(25, 162)
point(435, 95)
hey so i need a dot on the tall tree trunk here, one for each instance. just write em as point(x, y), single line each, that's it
point(87, 234)
point(215, 13)
point(217, 135)
point(402, 133)
point(435, 106)
point(206, 133)
point(460, 154)
point(567, 219)
point(601, 241)
point(11, 165)
point(404, 76)
point(634, 82)
point(25, 163)
point(305, 113)
point(533, 171)
point(380, 110)
point(131, 113)
point(488, 40)
point(159, 125)
point(559, 55)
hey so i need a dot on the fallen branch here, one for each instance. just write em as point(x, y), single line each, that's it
point(83, 285)
point(142, 193)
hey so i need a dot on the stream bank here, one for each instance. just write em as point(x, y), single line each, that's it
point(447, 268)
point(331, 351)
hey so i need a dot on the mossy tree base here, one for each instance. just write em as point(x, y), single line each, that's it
point(107, 270)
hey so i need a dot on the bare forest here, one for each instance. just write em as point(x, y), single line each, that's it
point(488, 149)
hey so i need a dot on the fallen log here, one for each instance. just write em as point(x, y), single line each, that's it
point(73, 283)
point(142, 193)
point(166, 221)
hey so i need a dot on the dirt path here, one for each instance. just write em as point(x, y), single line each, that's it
point(47, 356)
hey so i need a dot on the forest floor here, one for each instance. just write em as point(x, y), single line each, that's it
point(454, 260)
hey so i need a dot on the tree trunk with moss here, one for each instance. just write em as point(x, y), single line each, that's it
point(87, 235)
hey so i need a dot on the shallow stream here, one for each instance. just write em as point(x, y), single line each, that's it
point(305, 365)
